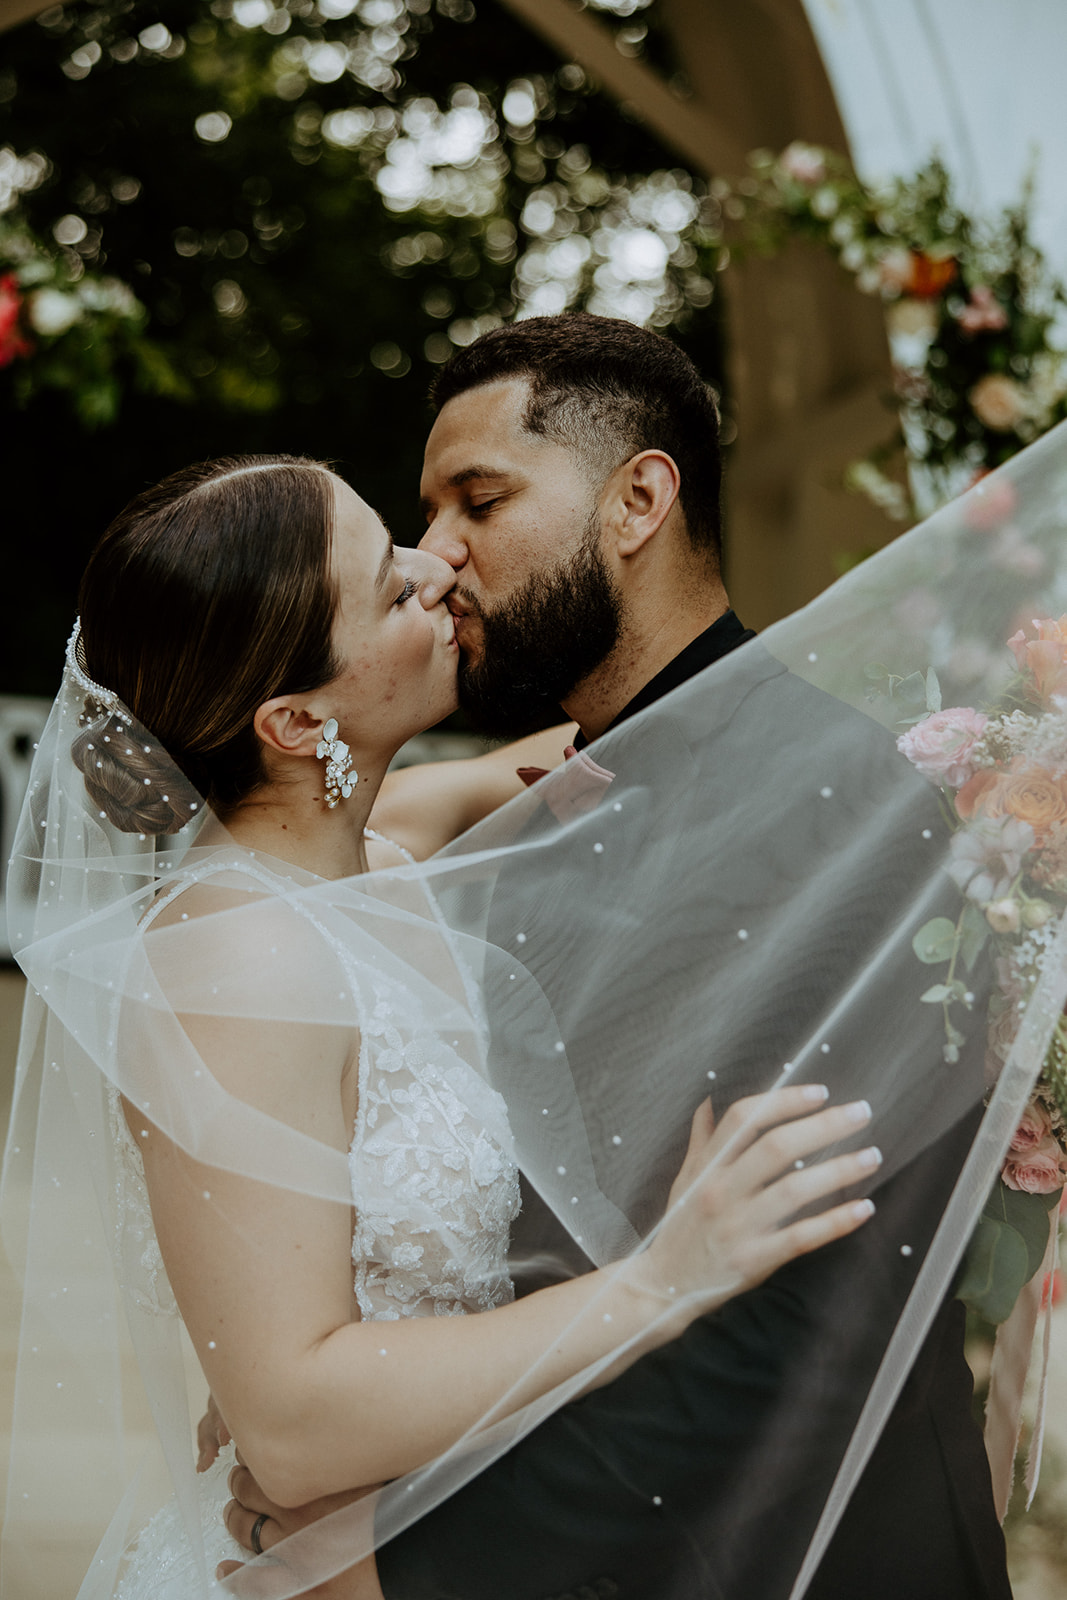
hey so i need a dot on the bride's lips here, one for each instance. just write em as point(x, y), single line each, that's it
point(461, 617)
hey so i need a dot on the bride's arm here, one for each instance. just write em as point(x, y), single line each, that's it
point(426, 807)
point(319, 1403)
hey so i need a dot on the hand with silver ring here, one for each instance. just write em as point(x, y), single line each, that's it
point(258, 1526)
point(257, 1529)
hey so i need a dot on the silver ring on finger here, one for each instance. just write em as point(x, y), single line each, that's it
point(257, 1529)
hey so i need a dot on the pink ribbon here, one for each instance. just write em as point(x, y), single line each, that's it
point(1007, 1380)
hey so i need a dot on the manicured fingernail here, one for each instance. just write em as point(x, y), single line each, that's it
point(871, 1157)
point(815, 1092)
point(863, 1209)
point(858, 1111)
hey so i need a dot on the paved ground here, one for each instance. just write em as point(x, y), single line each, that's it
point(1038, 1543)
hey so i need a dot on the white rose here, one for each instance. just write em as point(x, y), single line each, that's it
point(53, 312)
point(912, 318)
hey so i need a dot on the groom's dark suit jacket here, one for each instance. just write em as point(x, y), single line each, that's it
point(702, 1470)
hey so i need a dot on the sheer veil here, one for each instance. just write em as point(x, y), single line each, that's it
point(726, 892)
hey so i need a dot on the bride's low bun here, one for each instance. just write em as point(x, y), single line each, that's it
point(134, 785)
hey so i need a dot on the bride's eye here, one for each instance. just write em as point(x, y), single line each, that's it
point(406, 593)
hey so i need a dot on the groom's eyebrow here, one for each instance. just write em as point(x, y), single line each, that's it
point(466, 475)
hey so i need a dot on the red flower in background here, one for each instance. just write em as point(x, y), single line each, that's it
point(12, 344)
point(929, 275)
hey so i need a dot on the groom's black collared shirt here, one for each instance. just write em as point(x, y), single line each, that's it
point(724, 635)
point(568, 1512)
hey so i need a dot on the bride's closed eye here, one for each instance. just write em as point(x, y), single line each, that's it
point(406, 593)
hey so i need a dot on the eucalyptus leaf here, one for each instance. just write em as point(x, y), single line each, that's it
point(1028, 1215)
point(935, 941)
point(938, 993)
point(974, 931)
point(933, 691)
point(995, 1268)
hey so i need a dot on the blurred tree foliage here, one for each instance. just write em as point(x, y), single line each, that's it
point(316, 201)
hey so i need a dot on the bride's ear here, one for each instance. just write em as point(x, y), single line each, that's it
point(288, 727)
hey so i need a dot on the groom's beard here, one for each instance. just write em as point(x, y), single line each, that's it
point(541, 642)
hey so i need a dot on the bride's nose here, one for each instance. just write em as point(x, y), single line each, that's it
point(433, 576)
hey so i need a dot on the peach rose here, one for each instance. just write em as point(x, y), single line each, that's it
point(1045, 657)
point(1040, 1170)
point(942, 745)
point(1033, 796)
point(999, 402)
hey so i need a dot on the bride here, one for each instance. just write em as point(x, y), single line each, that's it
point(252, 1038)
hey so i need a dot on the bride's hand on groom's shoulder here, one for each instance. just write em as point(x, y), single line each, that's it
point(251, 1518)
point(727, 1226)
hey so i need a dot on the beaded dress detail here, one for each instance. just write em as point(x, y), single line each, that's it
point(434, 1191)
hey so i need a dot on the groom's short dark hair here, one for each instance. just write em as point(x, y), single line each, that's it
point(606, 389)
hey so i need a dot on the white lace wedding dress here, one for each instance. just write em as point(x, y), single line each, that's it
point(434, 1192)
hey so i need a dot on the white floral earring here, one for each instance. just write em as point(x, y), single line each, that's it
point(341, 776)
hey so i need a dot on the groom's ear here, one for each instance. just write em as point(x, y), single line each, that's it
point(638, 498)
point(286, 725)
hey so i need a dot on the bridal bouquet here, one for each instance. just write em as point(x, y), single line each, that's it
point(1003, 780)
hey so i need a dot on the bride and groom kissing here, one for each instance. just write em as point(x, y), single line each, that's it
point(704, 1468)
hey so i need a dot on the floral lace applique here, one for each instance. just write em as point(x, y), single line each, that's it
point(434, 1189)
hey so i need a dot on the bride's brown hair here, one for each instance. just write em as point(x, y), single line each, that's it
point(207, 595)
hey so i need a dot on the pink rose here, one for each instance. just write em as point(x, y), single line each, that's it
point(803, 163)
point(1040, 1170)
point(943, 744)
point(983, 312)
point(1033, 1130)
point(990, 501)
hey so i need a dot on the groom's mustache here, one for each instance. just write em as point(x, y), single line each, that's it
point(462, 603)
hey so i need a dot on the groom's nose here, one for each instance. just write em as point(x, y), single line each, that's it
point(446, 546)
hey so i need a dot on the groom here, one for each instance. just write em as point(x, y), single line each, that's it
point(572, 481)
